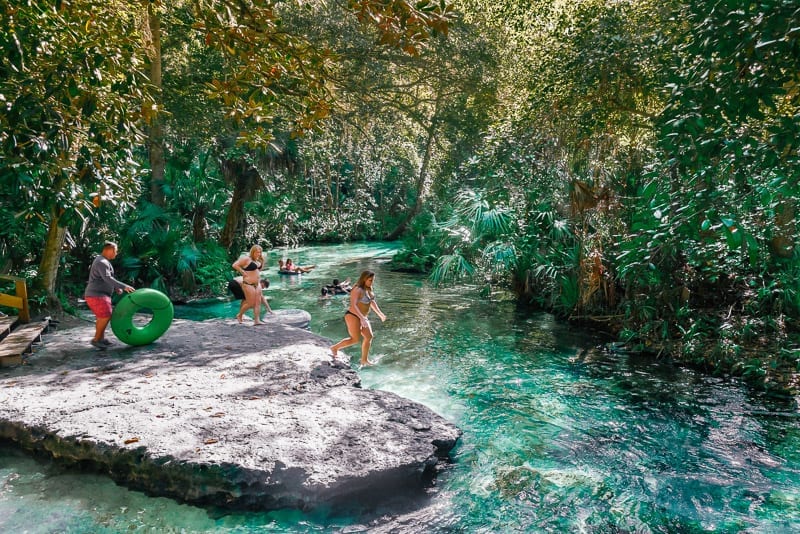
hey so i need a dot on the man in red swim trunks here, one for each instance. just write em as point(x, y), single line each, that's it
point(101, 286)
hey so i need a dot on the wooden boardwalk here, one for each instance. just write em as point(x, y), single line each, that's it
point(7, 322)
point(16, 339)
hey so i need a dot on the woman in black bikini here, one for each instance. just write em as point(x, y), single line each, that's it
point(249, 266)
point(362, 299)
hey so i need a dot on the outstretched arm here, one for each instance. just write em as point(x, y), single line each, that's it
point(374, 306)
point(265, 302)
point(118, 286)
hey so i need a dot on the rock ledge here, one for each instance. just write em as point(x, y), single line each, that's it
point(218, 413)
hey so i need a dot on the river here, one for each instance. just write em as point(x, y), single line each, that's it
point(558, 437)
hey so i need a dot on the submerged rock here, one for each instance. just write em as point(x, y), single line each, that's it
point(219, 413)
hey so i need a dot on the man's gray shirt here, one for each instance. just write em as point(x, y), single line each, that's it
point(101, 279)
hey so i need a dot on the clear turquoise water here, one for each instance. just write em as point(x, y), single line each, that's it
point(556, 439)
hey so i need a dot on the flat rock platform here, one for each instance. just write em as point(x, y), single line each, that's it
point(222, 414)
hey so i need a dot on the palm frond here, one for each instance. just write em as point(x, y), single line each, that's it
point(500, 255)
point(148, 218)
point(451, 267)
point(568, 296)
point(561, 230)
point(494, 221)
point(480, 215)
point(188, 257)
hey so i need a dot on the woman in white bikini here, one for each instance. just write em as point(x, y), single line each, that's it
point(362, 299)
point(249, 266)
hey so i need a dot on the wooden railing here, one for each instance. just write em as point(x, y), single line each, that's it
point(19, 300)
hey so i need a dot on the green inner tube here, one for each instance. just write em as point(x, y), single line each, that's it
point(130, 304)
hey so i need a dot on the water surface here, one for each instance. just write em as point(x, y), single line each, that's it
point(557, 437)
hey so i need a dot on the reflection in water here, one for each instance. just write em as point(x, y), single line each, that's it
point(558, 437)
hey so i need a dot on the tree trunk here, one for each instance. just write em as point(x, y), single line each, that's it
point(246, 181)
point(155, 141)
point(235, 214)
point(51, 258)
point(422, 185)
point(199, 224)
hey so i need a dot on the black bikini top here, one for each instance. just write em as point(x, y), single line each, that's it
point(252, 267)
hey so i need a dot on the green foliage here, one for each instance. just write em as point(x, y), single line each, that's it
point(195, 190)
point(474, 209)
point(734, 96)
point(290, 214)
point(450, 267)
point(401, 118)
point(272, 71)
point(156, 252)
point(414, 261)
point(630, 162)
point(21, 234)
point(72, 100)
point(72, 94)
point(421, 244)
point(211, 267)
point(402, 24)
point(714, 227)
point(568, 294)
point(475, 239)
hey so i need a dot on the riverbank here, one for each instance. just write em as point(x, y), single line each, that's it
point(223, 414)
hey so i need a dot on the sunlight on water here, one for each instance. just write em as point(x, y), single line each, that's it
point(557, 437)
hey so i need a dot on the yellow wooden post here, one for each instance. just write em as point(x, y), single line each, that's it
point(22, 292)
point(19, 300)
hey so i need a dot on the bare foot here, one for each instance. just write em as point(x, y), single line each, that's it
point(239, 318)
point(334, 353)
point(367, 363)
point(259, 323)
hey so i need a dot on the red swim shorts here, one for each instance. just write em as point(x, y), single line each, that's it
point(101, 306)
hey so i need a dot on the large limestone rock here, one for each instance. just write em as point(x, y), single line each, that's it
point(220, 413)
